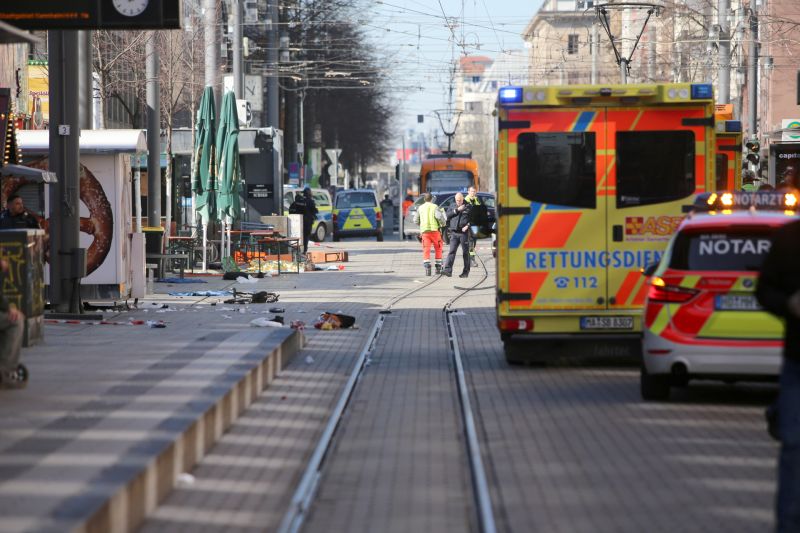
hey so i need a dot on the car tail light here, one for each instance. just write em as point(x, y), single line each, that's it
point(335, 217)
point(513, 324)
point(378, 215)
point(661, 292)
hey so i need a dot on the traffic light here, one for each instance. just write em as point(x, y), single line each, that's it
point(753, 151)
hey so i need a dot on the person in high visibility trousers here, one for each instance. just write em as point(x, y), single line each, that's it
point(430, 219)
point(474, 201)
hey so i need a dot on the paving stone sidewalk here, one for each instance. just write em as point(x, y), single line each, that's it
point(246, 482)
point(575, 449)
point(102, 399)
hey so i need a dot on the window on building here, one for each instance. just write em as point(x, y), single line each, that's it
point(476, 79)
point(572, 43)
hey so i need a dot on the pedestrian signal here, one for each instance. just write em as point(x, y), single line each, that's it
point(753, 151)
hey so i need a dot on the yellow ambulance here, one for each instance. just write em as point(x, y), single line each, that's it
point(728, 134)
point(591, 184)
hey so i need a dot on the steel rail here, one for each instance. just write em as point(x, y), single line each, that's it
point(304, 494)
point(479, 480)
point(306, 489)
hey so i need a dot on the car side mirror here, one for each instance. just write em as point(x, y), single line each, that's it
point(649, 270)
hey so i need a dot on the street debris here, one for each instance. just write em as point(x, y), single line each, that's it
point(298, 325)
point(156, 324)
point(201, 293)
point(185, 480)
point(309, 360)
point(181, 280)
point(329, 321)
point(264, 322)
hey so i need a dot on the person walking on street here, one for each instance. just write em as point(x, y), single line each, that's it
point(430, 219)
point(476, 204)
point(304, 205)
point(12, 326)
point(458, 218)
point(778, 291)
point(15, 216)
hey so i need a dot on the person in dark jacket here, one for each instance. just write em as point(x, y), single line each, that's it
point(304, 205)
point(458, 221)
point(15, 216)
point(778, 292)
point(12, 326)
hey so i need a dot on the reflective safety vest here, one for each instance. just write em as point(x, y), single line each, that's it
point(430, 217)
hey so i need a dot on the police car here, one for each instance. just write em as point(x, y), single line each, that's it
point(356, 213)
point(701, 316)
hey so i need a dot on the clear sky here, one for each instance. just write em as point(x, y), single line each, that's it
point(421, 38)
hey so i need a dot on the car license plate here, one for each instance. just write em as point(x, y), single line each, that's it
point(736, 302)
point(606, 322)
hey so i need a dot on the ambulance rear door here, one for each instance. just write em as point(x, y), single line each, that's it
point(550, 213)
point(659, 156)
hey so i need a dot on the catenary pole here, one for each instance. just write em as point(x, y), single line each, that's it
point(238, 78)
point(724, 73)
point(65, 132)
point(752, 73)
point(153, 135)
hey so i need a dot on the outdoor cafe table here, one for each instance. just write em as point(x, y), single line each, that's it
point(267, 246)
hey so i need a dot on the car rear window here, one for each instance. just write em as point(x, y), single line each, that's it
point(557, 168)
point(355, 199)
point(731, 249)
point(654, 167)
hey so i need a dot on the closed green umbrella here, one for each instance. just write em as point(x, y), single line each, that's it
point(204, 179)
point(228, 171)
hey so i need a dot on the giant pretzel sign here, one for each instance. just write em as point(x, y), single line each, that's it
point(99, 224)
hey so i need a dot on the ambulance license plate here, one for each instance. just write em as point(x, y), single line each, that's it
point(606, 322)
point(736, 302)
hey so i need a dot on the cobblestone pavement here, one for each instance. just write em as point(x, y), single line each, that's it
point(575, 449)
point(246, 482)
point(567, 448)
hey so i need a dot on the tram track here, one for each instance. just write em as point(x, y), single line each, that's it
point(306, 490)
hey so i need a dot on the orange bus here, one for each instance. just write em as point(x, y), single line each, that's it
point(448, 171)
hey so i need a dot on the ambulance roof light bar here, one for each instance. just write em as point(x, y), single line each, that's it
point(511, 95)
point(728, 201)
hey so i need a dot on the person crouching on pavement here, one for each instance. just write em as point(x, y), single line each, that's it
point(778, 291)
point(458, 218)
point(12, 327)
point(430, 219)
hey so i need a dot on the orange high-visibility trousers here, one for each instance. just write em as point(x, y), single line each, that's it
point(432, 238)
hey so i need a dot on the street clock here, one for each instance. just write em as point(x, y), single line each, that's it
point(130, 8)
point(139, 13)
point(92, 14)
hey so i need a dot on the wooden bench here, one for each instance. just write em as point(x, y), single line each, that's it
point(161, 260)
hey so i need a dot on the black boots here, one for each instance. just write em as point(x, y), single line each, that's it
point(438, 268)
point(427, 269)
